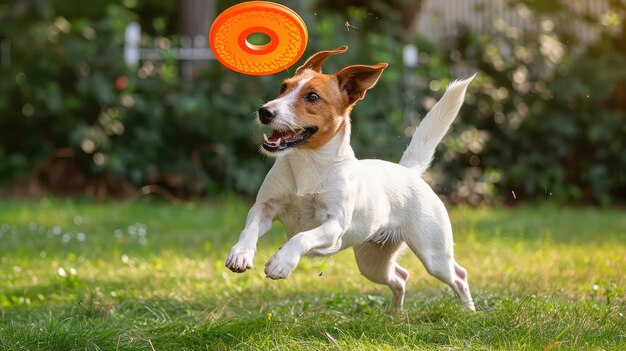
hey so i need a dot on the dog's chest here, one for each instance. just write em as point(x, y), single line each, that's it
point(301, 213)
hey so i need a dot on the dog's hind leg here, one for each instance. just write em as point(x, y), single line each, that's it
point(377, 262)
point(431, 241)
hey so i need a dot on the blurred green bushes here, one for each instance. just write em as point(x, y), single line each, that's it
point(548, 116)
point(544, 118)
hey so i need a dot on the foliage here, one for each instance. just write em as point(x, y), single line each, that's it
point(543, 118)
point(149, 126)
point(146, 126)
point(131, 275)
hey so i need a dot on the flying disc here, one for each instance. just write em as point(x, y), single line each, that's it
point(229, 34)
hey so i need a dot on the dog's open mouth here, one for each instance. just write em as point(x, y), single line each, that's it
point(285, 139)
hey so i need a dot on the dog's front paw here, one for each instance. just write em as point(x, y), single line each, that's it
point(280, 265)
point(239, 259)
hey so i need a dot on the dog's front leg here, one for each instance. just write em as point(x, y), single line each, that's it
point(334, 210)
point(275, 187)
point(325, 238)
point(258, 223)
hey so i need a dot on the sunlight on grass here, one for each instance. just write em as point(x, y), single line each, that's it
point(134, 276)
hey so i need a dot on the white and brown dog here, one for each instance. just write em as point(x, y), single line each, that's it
point(328, 200)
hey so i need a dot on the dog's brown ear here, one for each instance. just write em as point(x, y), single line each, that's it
point(315, 62)
point(356, 80)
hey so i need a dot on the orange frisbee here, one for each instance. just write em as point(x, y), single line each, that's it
point(229, 33)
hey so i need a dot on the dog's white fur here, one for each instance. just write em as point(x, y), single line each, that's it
point(328, 201)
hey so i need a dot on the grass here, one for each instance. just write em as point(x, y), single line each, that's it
point(75, 275)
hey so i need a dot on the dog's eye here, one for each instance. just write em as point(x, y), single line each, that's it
point(311, 97)
point(283, 88)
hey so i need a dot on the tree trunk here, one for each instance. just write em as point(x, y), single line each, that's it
point(196, 19)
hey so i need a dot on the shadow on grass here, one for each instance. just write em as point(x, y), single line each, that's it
point(171, 324)
point(70, 314)
point(307, 321)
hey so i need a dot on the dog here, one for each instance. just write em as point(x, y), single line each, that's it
point(328, 200)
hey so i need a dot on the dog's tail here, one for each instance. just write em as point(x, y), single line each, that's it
point(434, 126)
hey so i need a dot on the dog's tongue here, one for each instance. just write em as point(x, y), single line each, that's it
point(282, 135)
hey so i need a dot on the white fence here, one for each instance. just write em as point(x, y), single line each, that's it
point(440, 19)
point(193, 49)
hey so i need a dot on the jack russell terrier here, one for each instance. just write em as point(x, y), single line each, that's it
point(328, 200)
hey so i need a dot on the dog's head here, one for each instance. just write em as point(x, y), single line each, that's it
point(312, 107)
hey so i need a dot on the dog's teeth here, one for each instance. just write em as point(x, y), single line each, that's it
point(278, 141)
point(267, 140)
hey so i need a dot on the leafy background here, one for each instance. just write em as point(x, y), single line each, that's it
point(544, 119)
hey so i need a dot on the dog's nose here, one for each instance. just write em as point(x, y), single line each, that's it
point(265, 115)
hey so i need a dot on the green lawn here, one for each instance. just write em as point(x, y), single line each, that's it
point(140, 276)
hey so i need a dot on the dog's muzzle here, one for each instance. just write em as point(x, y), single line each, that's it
point(283, 140)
